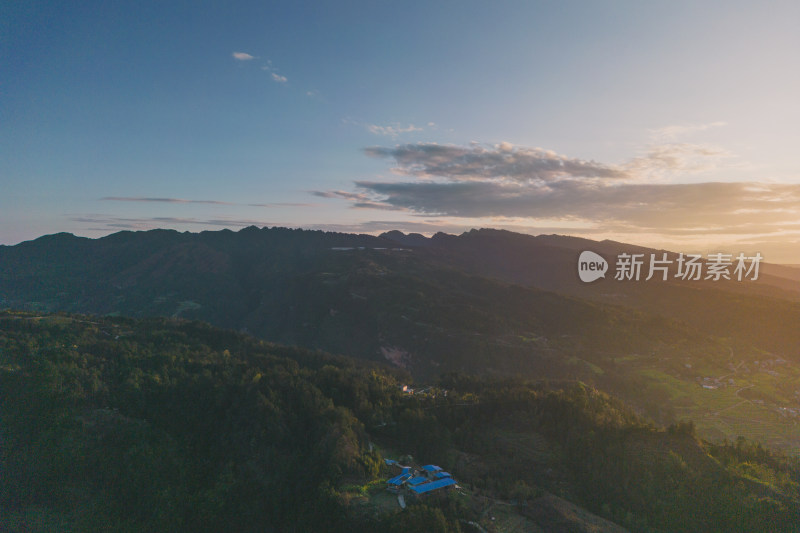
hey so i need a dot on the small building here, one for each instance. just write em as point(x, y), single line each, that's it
point(396, 483)
point(397, 466)
point(415, 481)
point(428, 480)
point(440, 485)
point(431, 470)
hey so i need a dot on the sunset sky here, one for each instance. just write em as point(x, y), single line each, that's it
point(669, 124)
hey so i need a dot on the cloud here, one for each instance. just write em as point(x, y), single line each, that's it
point(111, 222)
point(478, 162)
point(242, 56)
point(533, 184)
point(715, 207)
point(212, 202)
point(340, 194)
point(665, 159)
point(666, 156)
point(161, 200)
point(360, 200)
point(675, 131)
point(392, 130)
point(283, 204)
point(274, 73)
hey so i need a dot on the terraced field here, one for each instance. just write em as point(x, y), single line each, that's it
point(756, 401)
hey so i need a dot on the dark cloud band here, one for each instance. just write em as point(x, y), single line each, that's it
point(504, 161)
point(536, 184)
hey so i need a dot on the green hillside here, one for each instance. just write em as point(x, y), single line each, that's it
point(129, 425)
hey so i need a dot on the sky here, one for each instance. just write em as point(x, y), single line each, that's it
point(667, 124)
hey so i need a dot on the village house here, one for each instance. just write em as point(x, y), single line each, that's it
point(429, 479)
point(396, 483)
point(438, 486)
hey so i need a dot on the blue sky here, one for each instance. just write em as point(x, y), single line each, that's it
point(662, 123)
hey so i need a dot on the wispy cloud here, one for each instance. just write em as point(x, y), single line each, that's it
point(668, 159)
point(281, 204)
point(669, 133)
point(212, 202)
point(391, 130)
point(111, 222)
point(267, 66)
point(273, 72)
point(346, 195)
point(161, 200)
point(360, 200)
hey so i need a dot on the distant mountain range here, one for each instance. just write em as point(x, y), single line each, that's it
point(290, 285)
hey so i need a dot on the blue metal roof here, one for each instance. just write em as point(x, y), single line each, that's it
point(417, 480)
point(440, 475)
point(431, 468)
point(398, 480)
point(433, 485)
point(406, 470)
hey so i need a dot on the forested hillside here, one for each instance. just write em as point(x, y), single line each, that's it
point(130, 425)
